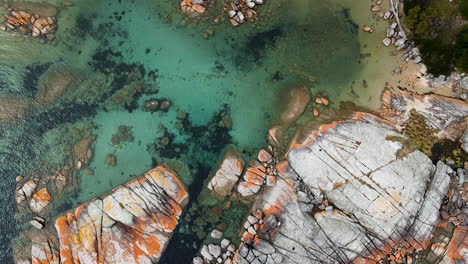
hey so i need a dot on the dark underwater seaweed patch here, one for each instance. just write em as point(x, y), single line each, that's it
point(68, 113)
point(347, 15)
point(254, 49)
point(33, 73)
point(84, 25)
point(109, 62)
point(178, 243)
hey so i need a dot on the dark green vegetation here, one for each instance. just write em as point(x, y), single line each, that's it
point(419, 135)
point(440, 29)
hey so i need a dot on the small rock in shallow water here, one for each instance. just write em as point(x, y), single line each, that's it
point(367, 29)
point(165, 105)
point(151, 105)
point(387, 42)
point(111, 160)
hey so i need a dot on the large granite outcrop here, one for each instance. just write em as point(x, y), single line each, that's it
point(133, 224)
point(344, 196)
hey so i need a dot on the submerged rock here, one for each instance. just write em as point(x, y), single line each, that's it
point(351, 165)
point(294, 103)
point(131, 225)
point(13, 108)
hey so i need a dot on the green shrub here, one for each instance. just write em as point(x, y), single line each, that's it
point(461, 50)
point(421, 21)
point(436, 55)
point(463, 4)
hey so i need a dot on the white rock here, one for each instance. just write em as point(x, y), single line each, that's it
point(231, 13)
point(214, 250)
point(464, 83)
point(251, 4)
point(206, 253)
point(388, 15)
point(231, 248)
point(37, 224)
point(390, 32)
point(251, 230)
point(387, 42)
point(198, 260)
point(252, 219)
point(216, 234)
point(400, 42)
point(229, 170)
point(225, 243)
point(258, 2)
point(241, 16)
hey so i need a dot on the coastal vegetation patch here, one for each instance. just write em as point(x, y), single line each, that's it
point(440, 29)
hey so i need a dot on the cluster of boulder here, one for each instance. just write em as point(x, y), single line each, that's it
point(249, 181)
point(37, 26)
point(157, 105)
point(213, 253)
point(262, 172)
point(240, 10)
point(193, 8)
point(133, 224)
point(38, 200)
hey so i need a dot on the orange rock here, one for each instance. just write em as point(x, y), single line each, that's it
point(316, 112)
point(322, 100)
point(131, 225)
point(458, 243)
point(191, 10)
point(40, 200)
point(43, 253)
point(264, 156)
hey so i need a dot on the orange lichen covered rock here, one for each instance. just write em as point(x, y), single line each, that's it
point(264, 156)
point(26, 191)
point(29, 23)
point(43, 253)
point(40, 200)
point(193, 9)
point(458, 247)
point(341, 183)
point(133, 224)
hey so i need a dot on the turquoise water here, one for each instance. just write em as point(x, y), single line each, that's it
point(104, 47)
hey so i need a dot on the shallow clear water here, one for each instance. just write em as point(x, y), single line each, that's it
point(103, 45)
